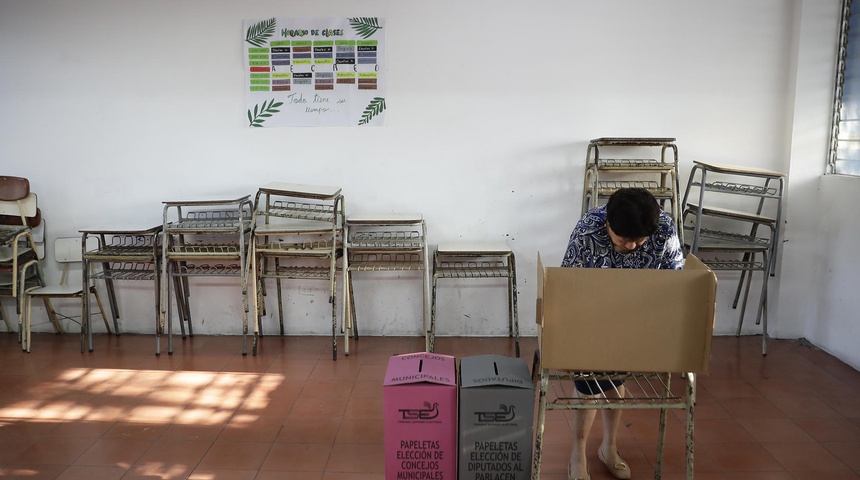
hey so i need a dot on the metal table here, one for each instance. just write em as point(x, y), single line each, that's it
point(476, 260)
point(194, 233)
point(386, 242)
point(750, 227)
point(298, 235)
point(125, 252)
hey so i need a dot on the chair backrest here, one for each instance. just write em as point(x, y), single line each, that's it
point(13, 188)
point(18, 205)
point(68, 250)
point(26, 206)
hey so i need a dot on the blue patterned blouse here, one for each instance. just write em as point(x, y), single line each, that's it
point(591, 247)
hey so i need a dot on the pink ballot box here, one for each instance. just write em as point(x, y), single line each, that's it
point(419, 401)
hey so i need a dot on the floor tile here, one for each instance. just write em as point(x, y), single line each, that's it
point(302, 457)
point(741, 457)
point(360, 430)
point(169, 459)
point(319, 407)
point(229, 455)
point(751, 407)
point(89, 472)
point(802, 407)
point(830, 429)
point(53, 451)
point(222, 474)
point(309, 430)
point(804, 457)
point(356, 457)
point(847, 452)
point(252, 428)
point(828, 474)
point(148, 431)
point(720, 430)
point(120, 452)
point(285, 475)
point(31, 472)
point(775, 430)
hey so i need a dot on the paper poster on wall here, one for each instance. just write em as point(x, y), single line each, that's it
point(314, 71)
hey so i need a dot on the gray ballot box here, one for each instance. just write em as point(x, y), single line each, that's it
point(496, 418)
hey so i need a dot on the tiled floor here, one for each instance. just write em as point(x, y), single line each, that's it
point(207, 412)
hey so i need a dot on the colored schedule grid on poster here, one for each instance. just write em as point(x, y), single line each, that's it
point(345, 55)
point(259, 68)
point(281, 61)
point(315, 72)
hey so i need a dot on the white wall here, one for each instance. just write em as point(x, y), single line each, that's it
point(111, 107)
point(817, 293)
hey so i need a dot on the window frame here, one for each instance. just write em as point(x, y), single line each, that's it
point(841, 64)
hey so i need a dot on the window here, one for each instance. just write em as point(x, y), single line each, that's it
point(844, 156)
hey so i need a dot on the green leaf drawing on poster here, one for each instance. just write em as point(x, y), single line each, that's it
point(258, 33)
point(374, 108)
point(262, 112)
point(365, 26)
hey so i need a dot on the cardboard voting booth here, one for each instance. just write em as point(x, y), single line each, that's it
point(612, 319)
point(496, 418)
point(420, 417)
point(644, 325)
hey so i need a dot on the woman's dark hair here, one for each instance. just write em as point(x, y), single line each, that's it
point(633, 213)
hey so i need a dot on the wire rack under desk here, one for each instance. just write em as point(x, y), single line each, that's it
point(204, 250)
point(739, 188)
point(605, 188)
point(736, 265)
point(300, 210)
point(386, 239)
point(129, 242)
point(210, 220)
point(643, 390)
point(476, 269)
point(637, 163)
point(126, 246)
point(127, 271)
point(206, 270)
point(379, 262)
point(296, 272)
point(731, 237)
point(310, 247)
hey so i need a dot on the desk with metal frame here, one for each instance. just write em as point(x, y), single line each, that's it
point(125, 252)
point(712, 229)
point(386, 242)
point(301, 229)
point(476, 260)
point(222, 230)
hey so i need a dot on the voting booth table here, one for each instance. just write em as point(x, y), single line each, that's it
point(640, 326)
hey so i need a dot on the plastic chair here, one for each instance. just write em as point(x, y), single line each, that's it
point(67, 250)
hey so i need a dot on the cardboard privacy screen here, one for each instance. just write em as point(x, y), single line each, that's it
point(612, 319)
